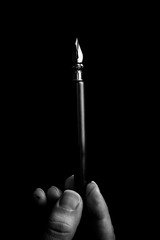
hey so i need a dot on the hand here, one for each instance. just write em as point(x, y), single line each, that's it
point(67, 209)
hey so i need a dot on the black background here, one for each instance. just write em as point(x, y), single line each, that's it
point(38, 111)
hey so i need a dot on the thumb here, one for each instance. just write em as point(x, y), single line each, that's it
point(99, 212)
point(65, 217)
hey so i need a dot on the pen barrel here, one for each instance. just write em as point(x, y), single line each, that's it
point(80, 170)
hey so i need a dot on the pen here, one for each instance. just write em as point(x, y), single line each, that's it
point(80, 169)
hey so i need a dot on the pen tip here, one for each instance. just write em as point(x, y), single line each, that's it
point(77, 53)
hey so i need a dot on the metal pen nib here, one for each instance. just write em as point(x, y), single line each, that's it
point(78, 53)
point(77, 60)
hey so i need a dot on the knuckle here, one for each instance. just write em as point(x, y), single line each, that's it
point(57, 229)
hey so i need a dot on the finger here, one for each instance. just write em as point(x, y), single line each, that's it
point(53, 194)
point(99, 211)
point(65, 216)
point(69, 183)
point(40, 197)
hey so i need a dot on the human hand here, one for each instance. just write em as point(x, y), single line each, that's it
point(67, 209)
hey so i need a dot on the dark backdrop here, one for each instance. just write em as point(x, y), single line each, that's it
point(38, 109)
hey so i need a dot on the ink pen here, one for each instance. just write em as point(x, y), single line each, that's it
point(80, 169)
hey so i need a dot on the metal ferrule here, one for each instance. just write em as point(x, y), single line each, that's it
point(77, 74)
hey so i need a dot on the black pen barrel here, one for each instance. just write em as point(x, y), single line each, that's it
point(80, 171)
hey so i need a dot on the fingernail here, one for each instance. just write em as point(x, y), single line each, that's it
point(69, 200)
point(92, 186)
point(53, 189)
point(39, 196)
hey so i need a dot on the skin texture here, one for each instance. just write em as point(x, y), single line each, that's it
point(66, 211)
